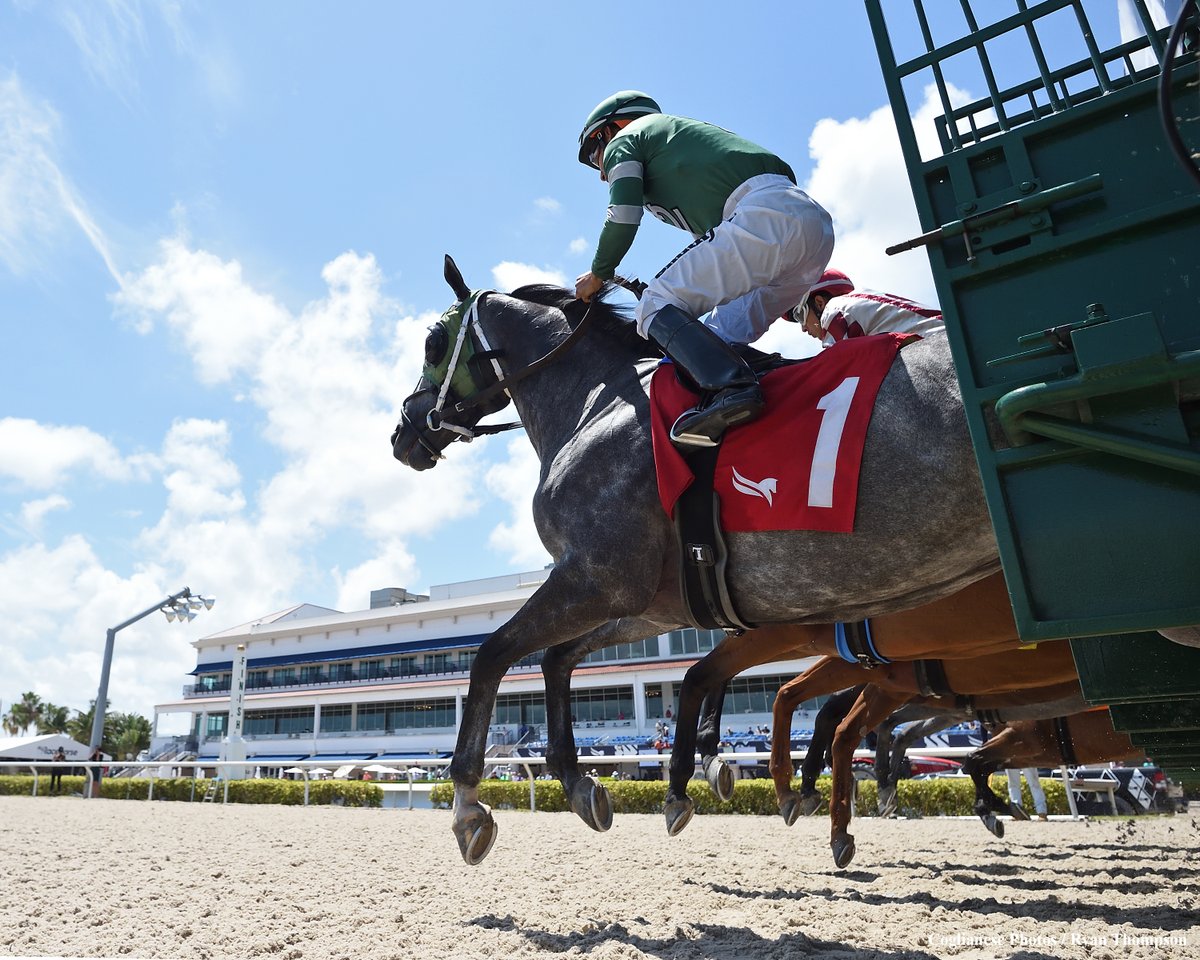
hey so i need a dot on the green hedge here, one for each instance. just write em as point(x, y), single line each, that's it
point(925, 798)
point(350, 793)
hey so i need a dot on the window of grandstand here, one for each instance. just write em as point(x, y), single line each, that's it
point(406, 714)
point(257, 678)
point(690, 640)
point(606, 703)
point(370, 669)
point(403, 666)
point(341, 671)
point(217, 725)
point(336, 719)
point(213, 682)
point(283, 676)
point(641, 650)
point(748, 694)
point(654, 703)
point(311, 674)
point(283, 722)
point(437, 662)
point(521, 708)
point(466, 658)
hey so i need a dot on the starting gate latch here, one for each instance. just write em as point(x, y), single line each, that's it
point(1001, 214)
point(1059, 337)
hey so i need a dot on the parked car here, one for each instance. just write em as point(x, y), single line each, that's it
point(1139, 790)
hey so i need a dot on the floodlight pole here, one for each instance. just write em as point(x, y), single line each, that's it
point(102, 696)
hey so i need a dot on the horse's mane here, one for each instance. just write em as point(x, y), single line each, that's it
point(612, 319)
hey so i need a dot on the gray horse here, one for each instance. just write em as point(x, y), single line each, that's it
point(921, 530)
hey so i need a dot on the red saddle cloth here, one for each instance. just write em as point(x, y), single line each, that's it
point(796, 467)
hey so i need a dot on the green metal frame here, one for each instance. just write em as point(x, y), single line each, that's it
point(1055, 217)
point(1064, 240)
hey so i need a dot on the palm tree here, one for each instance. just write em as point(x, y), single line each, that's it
point(129, 735)
point(55, 719)
point(26, 712)
point(11, 727)
point(79, 727)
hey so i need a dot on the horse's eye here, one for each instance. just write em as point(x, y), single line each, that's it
point(436, 344)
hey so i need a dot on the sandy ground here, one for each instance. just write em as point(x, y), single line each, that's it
point(132, 879)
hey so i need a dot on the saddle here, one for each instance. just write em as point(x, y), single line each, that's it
point(703, 555)
point(793, 468)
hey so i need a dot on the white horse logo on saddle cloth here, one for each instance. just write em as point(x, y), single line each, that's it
point(807, 446)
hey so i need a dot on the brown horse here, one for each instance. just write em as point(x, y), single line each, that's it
point(975, 621)
point(891, 686)
point(1087, 737)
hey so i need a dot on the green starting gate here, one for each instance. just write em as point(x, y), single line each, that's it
point(1063, 229)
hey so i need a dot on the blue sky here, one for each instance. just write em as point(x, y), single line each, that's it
point(221, 232)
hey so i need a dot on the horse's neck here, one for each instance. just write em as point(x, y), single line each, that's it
point(554, 403)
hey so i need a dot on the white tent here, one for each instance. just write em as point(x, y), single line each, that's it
point(42, 748)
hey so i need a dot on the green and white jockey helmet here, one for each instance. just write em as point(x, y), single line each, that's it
point(627, 104)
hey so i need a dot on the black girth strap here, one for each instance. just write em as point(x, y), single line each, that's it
point(1066, 744)
point(931, 678)
point(703, 557)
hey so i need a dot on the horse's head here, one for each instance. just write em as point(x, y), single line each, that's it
point(451, 397)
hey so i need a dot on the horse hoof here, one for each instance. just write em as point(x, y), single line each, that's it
point(476, 833)
point(1017, 812)
point(843, 851)
point(994, 825)
point(887, 802)
point(720, 778)
point(679, 814)
point(590, 800)
point(810, 803)
point(791, 807)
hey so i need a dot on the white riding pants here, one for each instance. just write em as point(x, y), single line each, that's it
point(1035, 788)
point(760, 261)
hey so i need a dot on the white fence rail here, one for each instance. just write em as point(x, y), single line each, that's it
point(406, 767)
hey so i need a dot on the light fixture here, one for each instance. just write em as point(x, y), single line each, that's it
point(208, 602)
point(169, 612)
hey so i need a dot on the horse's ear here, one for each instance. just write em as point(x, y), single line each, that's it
point(454, 278)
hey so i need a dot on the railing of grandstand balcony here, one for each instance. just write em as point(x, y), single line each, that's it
point(382, 676)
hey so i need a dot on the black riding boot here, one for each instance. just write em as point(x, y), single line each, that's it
point(732, 394)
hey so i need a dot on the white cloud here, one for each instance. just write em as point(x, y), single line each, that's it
point(35, 511)
point(41, 456)
point(36, 199)
point(578, 245)
point(108, 35)
point(860, 178)
point(547, 205)
point(508, 275)
point(514, 480)
point(226, 326)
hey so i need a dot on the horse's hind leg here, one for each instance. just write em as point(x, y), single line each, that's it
point(708, 743)
point(829, 716)
point(994, 755)
point(729, 658)
point(827, 675)
point(872, 708)
point(585, 795)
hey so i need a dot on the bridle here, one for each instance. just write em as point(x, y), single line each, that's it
point(470, 325)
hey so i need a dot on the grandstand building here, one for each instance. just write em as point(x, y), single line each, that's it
point(389, 682)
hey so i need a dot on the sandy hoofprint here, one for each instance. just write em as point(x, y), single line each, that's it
point(133, 879)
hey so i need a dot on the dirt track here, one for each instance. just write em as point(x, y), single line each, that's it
point(122, 878)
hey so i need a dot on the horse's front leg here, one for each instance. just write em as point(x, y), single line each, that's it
point(872, 708)
point(827, 675)
point(559, 611)
point(585, 795)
